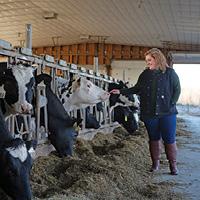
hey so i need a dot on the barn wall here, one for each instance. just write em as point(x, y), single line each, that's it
point(83, 54)
point(127, 70)
point(115, 60)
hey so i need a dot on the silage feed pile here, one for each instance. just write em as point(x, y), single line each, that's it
point(110, 167)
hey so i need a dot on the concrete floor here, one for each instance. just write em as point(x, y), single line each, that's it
point(187, 182)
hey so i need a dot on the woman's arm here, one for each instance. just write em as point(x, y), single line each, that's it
point(132, 90)
point(126, 91)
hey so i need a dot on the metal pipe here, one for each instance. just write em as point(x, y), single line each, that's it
point(96, 64)
point(29, 36)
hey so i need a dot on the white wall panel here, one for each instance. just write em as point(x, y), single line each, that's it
point(127, 70)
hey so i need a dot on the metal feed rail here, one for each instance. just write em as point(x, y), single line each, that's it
point(25, 55)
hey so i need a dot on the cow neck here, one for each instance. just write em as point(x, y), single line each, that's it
point(68, 105)
point(71, 104)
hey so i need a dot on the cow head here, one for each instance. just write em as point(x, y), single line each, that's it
point(90, 120)
point(17, 83)
point(82, 92)
point(127, 118)
point(88, 92)
point(63, 135)
point(15, 166)
point(122, 100)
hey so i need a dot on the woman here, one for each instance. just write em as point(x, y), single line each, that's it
point(159, 88)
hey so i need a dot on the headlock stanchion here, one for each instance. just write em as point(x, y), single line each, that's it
point(41, 102)
point(47, 64)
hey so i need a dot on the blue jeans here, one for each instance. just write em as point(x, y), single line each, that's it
point(162, 127)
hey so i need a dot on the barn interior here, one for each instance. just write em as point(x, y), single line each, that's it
point(104, 40)
point(117, 33)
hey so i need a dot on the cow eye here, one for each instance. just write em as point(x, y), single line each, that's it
point(88, 86)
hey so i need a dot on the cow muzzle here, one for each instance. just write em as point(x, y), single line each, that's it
point(105, 96)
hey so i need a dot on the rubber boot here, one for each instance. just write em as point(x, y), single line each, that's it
point(171, 152)
point(154, 148)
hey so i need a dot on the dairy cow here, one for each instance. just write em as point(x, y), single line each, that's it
point(15, 161)
point(122, 100)
point(60, 124)
point(127, 118)
point(16, 91)
point(90, 119)
point(125, 107)
point(81, 93)
point(15, 165)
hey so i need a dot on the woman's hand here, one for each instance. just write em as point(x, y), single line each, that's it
point(115, 91)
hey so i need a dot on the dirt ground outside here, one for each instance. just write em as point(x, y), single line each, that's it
point(109, 167)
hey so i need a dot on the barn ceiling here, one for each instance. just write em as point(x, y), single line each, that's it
point(161, 23)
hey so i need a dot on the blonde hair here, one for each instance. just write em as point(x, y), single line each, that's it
point(159, 57)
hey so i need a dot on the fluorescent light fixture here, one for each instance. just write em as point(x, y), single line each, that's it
point(84, 37)
point(50, 15)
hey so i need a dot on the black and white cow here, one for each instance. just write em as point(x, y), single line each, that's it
point(60, 124)
point(122, 100)
point(15, 160)
point(125, 108)
point(82, 93)
point(127, 118)
point(15, 165)
point(16, 90)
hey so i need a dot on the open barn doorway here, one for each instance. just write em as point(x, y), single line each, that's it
point(187, 67)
